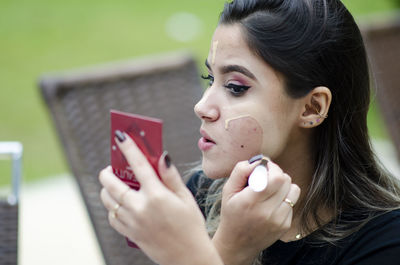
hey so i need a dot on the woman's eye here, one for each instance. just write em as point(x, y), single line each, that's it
point(210, 79)
point(237, 90)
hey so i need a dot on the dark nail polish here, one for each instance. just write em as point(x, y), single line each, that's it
point(255, 158)
point(120, 136)
point(264, 162)
point(167, 159)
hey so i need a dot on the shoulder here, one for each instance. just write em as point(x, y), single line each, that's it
point(377, 242)
point(382, 226)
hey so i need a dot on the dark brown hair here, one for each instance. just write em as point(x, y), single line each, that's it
point(317, 43)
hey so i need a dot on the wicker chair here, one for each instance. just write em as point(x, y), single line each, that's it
point(383, 45)
point(165, 87)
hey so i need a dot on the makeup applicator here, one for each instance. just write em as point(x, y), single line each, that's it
point(258, 179)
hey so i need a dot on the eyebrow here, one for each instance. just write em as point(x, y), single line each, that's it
point(234, 68)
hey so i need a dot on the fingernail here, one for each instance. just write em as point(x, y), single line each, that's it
point(255, 158)
point(167, 159)
point(120, 136)
point(264, 162)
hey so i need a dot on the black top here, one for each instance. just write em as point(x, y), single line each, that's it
point(377, 242)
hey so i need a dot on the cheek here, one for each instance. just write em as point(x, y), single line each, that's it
point(245, 137)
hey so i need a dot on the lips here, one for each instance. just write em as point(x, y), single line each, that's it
point(206, 137)
point(205, 142)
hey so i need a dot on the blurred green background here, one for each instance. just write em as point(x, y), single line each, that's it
point(39, 36)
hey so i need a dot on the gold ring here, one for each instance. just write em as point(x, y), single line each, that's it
point(114, 212)
point(289, 202)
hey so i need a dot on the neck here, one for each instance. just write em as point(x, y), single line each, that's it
point(298, 163)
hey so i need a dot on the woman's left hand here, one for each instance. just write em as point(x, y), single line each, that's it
point(162, 218)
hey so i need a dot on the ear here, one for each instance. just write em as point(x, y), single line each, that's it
point(315, 107)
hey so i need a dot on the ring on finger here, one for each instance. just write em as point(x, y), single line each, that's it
point(288, 201)
point(114, 211)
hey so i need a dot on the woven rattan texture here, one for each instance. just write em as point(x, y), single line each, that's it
point(8, 233)
point(383, 45)
point(81, 111)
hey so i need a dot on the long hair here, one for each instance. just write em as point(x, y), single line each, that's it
point(317, 43)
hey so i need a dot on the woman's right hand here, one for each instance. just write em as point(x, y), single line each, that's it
point(162, 217)
point(252, 221)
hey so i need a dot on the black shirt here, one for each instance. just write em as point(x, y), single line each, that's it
point(377, 242)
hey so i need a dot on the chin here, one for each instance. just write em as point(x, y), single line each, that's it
point(216, 170)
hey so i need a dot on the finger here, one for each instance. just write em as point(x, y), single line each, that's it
point(107, 200)
point(238, 178)
point(281, 184)
point(293, 195)
point(274, 179)
point(170, 176)
point(286, 224)
point(289, 201)
point(286, 210)
point(144, 172)
point(114, 186)
point(111, 204)
point(283, 213)
point(118, 225)
point(114, 208)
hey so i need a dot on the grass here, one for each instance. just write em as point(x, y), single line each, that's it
point(39, 36)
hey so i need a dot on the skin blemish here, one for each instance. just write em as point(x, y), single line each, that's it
point(214, 52)
point(246, 135)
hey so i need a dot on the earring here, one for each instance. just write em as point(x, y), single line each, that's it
point(321, 116)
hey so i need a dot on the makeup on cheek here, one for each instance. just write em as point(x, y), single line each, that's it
point(228, 121)
point(245, 136)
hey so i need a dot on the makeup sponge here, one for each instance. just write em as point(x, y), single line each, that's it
point(258, 179)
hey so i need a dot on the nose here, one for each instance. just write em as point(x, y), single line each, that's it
point(206, 109)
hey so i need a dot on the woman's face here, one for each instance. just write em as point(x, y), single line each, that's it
point(245, 110)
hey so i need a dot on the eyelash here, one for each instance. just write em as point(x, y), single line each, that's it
point(235, 90)
point(210, 79)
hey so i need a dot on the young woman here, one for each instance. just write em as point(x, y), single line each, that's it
point(288, 80)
